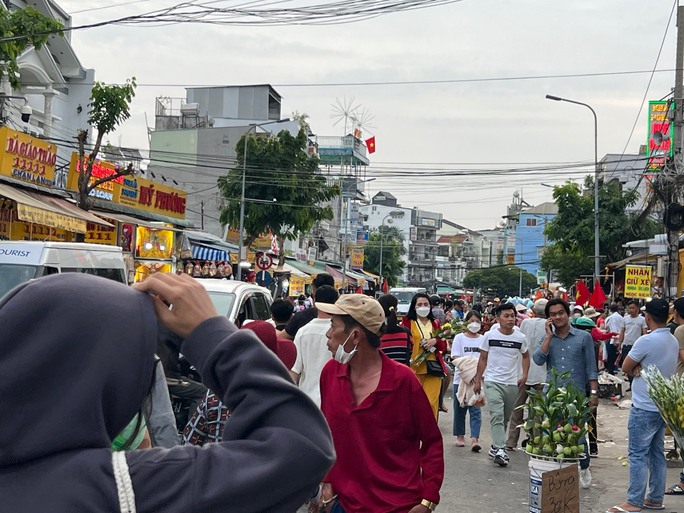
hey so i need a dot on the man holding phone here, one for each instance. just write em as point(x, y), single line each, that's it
point(565, 348)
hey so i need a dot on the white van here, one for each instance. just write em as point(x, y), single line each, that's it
point(405, 295)
point(21, 261)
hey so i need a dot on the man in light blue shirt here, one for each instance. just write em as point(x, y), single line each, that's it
point(646, 427)
point(565, 348)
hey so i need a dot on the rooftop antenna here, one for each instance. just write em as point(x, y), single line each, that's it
point(344, 110)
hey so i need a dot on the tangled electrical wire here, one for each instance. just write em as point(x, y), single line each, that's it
point(263, 13)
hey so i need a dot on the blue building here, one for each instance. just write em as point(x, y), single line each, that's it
point(529, 237)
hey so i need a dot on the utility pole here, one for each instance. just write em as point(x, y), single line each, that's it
point(672, 278)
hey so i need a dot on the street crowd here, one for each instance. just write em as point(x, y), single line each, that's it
point(330, 406)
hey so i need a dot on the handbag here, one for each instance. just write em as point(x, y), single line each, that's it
point(434, 368)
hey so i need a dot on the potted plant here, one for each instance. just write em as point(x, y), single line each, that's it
point(556, 420)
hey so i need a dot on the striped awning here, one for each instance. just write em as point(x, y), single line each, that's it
point(207, 252)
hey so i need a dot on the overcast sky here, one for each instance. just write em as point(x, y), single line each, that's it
point(498, 124)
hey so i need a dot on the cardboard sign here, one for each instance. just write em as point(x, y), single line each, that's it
point(560, 491)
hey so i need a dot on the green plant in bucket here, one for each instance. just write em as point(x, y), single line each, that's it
point(556, 419)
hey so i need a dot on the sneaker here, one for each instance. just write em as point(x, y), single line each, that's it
point(501, 458)
point(585, 478)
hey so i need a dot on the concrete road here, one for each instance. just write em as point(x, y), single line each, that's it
point(473, 484)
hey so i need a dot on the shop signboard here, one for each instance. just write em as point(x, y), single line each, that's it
point(660, 134)
point(132, 191)
point(27, 158)
point(99, 234)
point(638, 281)
point(151, 243)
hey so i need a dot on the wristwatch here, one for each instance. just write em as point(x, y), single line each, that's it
point(429, 504)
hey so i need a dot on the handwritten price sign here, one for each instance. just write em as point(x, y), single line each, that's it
point(560, 491)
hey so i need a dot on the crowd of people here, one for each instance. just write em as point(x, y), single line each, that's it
point(341, 390)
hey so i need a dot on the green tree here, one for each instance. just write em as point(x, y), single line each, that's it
point(109, 107)
point(571, 232)
point(500, 281)
point(392, 251)
point(284, 191)
point(30, 23)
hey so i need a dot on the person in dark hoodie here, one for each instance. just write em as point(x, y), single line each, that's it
point(80, 350)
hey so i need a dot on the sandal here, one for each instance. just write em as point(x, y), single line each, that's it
point(475, 445)
point(443, 408)
point(675, 490)
point(620, 509)
point(650, 505)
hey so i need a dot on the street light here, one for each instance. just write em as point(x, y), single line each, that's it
point(241, 237)
point(596, 181)
point(394, 213)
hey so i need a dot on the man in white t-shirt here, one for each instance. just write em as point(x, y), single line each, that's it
point(634, 327)
point(646, 428)
point(615, 323)
point(534, 329)
point(312, 347)
point(498, 365)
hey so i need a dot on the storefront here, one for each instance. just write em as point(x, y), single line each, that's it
point(147, 216)
point(204, 255)
point(30, 209)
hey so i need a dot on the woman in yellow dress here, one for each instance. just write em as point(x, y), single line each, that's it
point(423, 326)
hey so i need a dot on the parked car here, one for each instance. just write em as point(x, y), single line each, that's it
point(21, 261)
point(239, 301)
point(405, 295)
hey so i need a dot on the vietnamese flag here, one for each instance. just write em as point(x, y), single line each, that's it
point(598, 298)
point(582, 295)
point(370, 144)
point(385, 286)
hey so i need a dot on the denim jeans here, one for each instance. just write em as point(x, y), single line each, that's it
point(460, 415)
point(646, 457)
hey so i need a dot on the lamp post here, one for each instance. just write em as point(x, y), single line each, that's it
point(597, 256)
point(394, 213)
point(241, 237)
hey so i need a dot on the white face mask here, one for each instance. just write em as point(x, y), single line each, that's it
point(423, 311)
point(576, 315)
point(474, 327)
point(343, 356)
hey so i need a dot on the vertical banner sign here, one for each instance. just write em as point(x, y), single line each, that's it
point(660, 134)
point(357, 258)
point(638, 281)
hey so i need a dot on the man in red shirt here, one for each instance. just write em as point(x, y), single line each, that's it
point(389, 447)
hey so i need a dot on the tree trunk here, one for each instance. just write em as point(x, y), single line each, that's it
point(281, 250)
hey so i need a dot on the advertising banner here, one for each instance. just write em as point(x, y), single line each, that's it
point(27, 158)
point(357, 258)
point(660, 134)
point(638, 281)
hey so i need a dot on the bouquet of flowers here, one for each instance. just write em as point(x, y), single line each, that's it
point(447, 331)
point(668, 396)
point(556, 419)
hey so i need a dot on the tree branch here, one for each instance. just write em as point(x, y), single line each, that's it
point(126, 172)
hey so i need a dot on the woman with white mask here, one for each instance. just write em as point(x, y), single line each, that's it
point(431, 370)
point(467, 345)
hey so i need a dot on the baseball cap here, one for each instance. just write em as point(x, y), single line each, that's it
point(658, 307)
point(578, 307)
point(283, 348)
point(363, 309)
point(591, 313)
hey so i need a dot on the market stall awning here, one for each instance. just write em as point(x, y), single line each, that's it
point(371, 276)
point(638, 258)
point(34, 207)
point(206, 246)
point(339, 276)
point(123, 218)
point(304, 267)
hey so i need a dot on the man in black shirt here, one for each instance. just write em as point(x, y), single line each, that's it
point(304, 317)
point(281, 313)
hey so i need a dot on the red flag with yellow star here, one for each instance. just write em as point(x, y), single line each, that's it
point(370, 144)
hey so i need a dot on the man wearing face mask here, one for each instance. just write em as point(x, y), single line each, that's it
point(389, 447)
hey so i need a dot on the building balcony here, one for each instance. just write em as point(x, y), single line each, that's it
point(347, 149)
